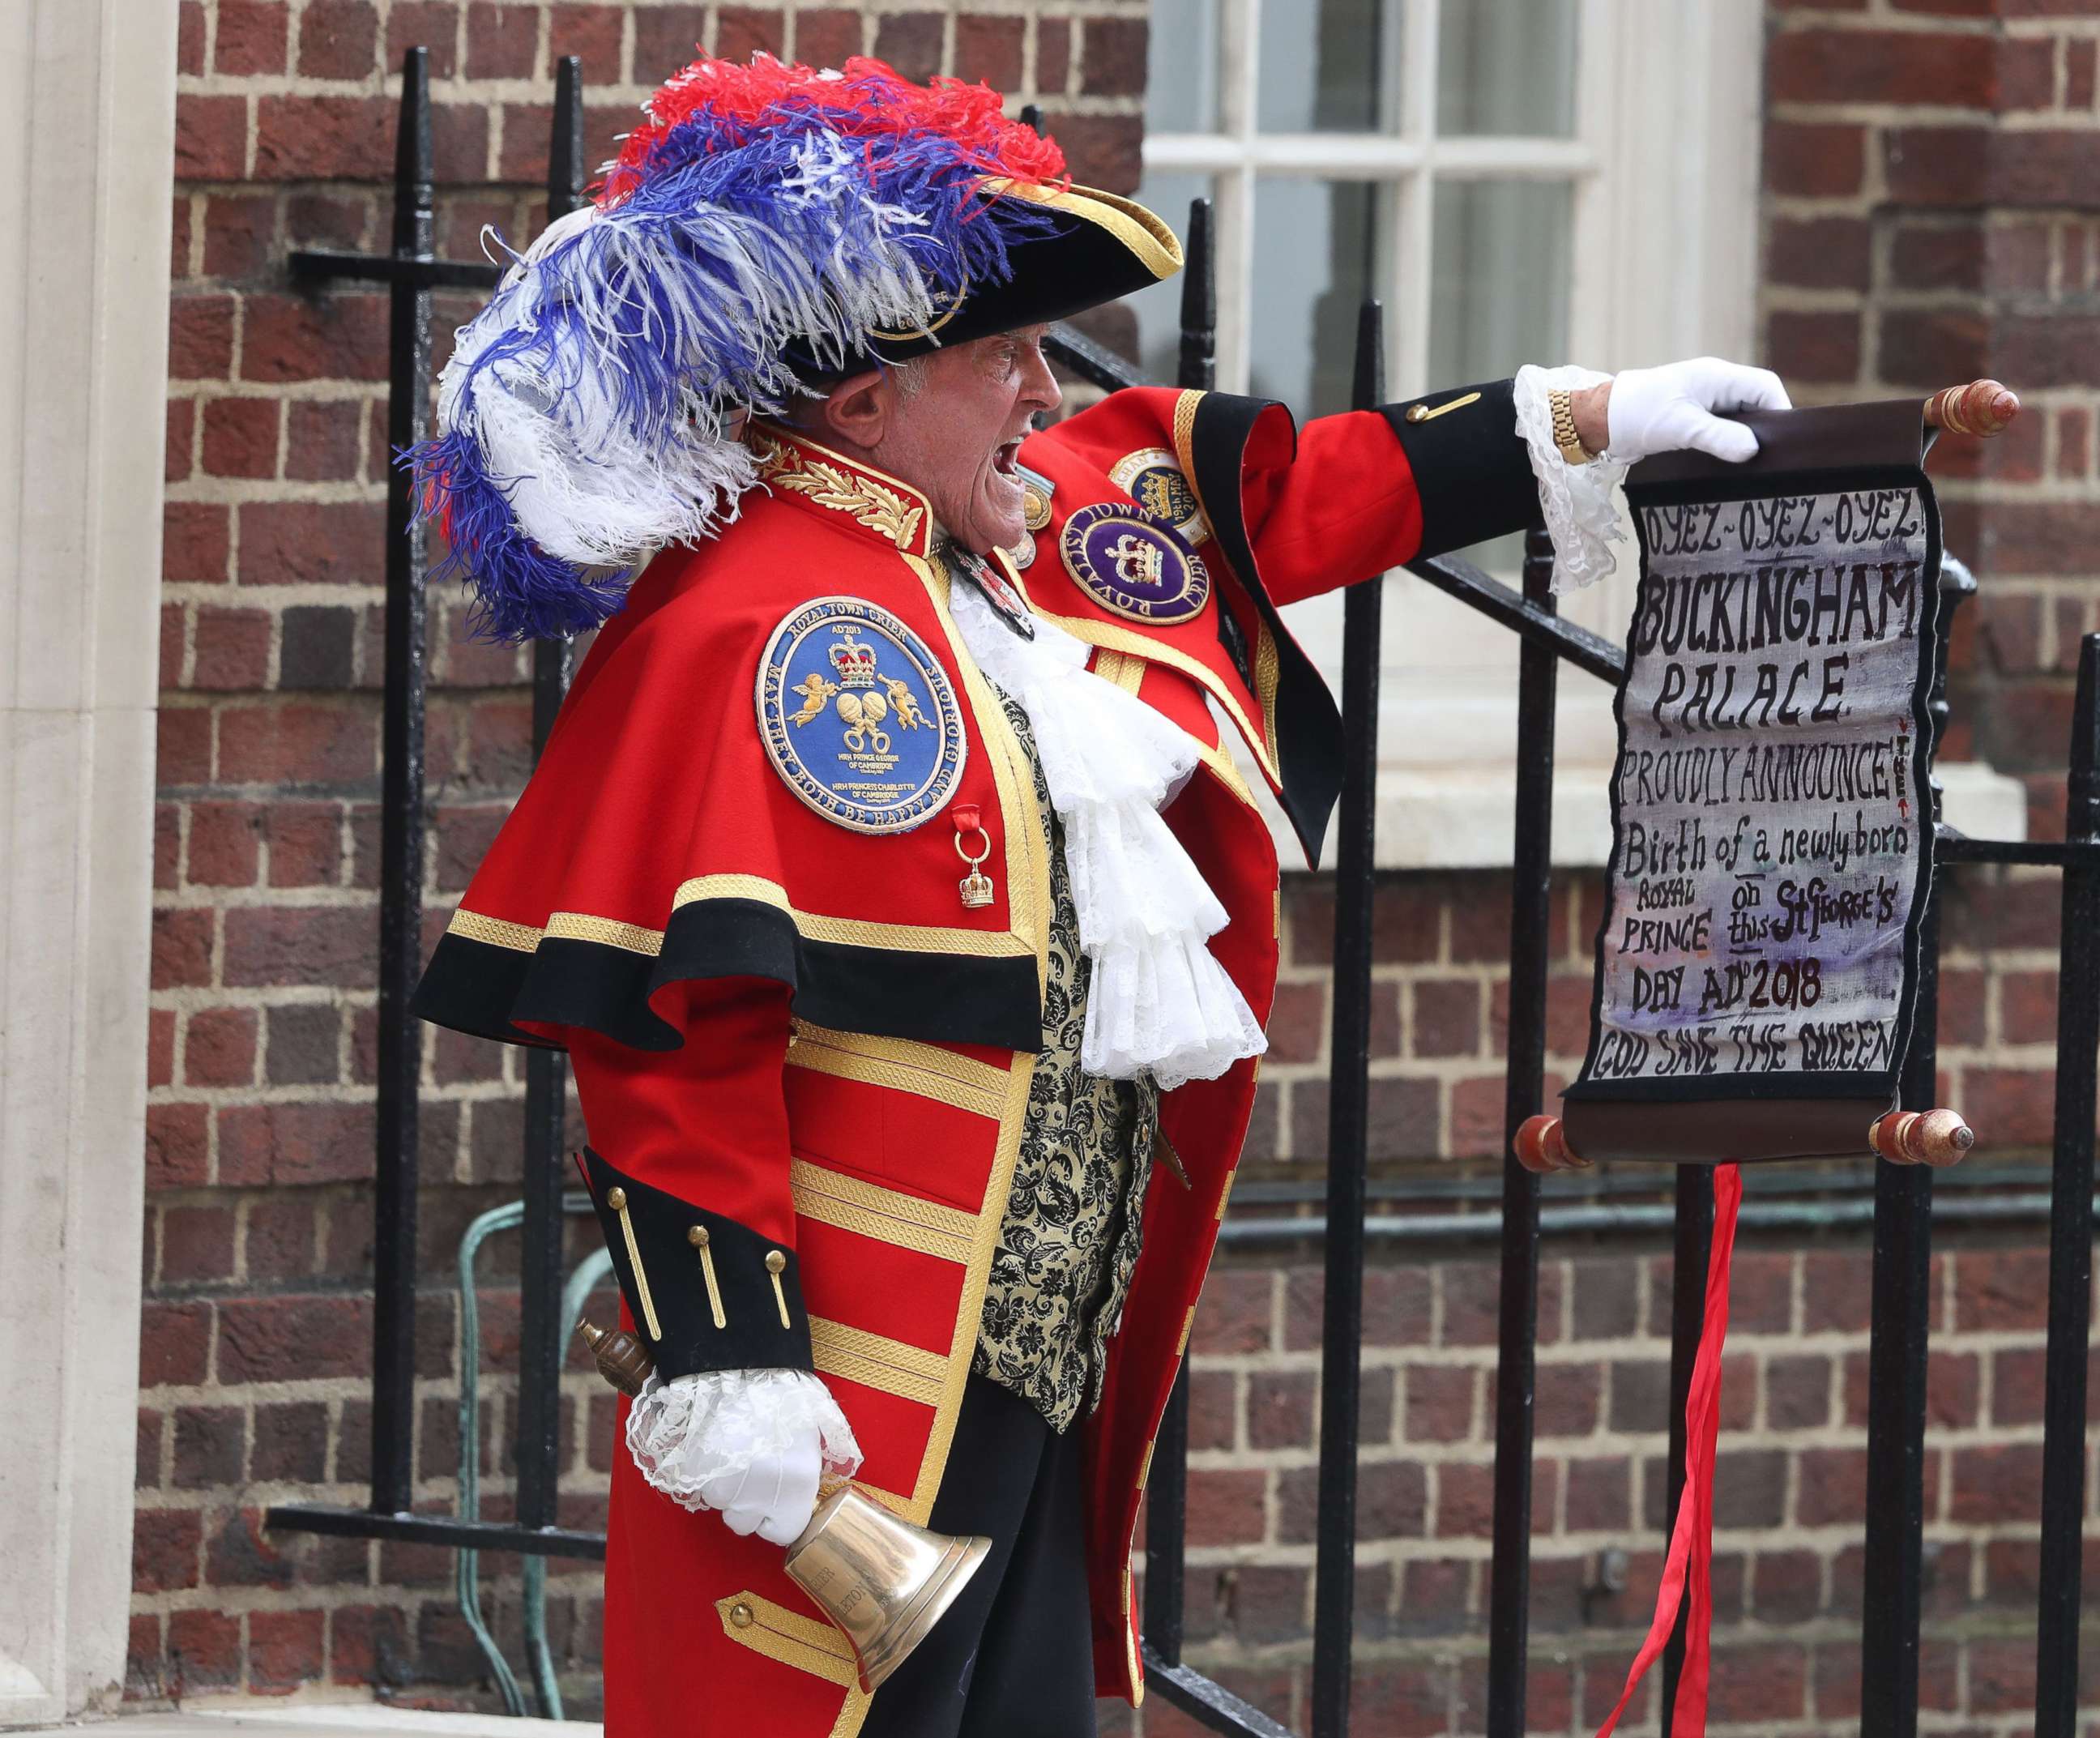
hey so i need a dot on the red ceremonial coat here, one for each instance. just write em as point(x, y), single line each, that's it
point(792, 1032)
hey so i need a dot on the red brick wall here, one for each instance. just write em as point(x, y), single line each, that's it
point(257, 1252)
point(1932, 214)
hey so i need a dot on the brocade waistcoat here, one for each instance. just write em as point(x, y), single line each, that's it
point(1073, 1225)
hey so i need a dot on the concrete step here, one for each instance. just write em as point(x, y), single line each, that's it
point(316, 1720)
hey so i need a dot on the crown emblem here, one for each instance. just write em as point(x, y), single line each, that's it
point(854, 662)
point(1137, 560)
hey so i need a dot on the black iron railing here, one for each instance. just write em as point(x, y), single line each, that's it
point(1902, 1213)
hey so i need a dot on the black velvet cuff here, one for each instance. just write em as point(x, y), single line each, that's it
point(664, 1249)
point(1470, 466)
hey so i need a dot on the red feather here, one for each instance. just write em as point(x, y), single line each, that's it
point(867, 100)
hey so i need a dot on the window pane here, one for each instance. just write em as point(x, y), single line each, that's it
point(1327, 66)
point(1312, 272)
point(1158, 305)
point(1181, 78)
point(1499, 279)
point(1507, 67)
point(1498, 293)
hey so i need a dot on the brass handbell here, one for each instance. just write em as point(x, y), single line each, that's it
point(883, 1582)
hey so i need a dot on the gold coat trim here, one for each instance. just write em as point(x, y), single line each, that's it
point(519, 937)
point(1125, 672)
point(1130, 1636)
point(1267, 668)
point(1266, 665)
point(885, 1215)
point(814, 926)
point(806, 1643)
point(916, 1505)
point(577, 926)
point(889, 1366)
point(902, 1064)
point(853, 931)
point(1027, 855)
point(1184, 442)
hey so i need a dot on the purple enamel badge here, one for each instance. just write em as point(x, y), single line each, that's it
point(1133, 564)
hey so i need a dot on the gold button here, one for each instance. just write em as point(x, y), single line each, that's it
point(774, 1261)
point(1418, 413)
point(740, 1614)
point(615, 1199)
point(698, 1237)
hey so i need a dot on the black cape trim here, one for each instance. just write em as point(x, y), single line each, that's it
point(1307, 751)
point(481, 989)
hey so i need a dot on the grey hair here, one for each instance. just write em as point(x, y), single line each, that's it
point(909, 375)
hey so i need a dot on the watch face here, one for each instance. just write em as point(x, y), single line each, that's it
point(1134, 565)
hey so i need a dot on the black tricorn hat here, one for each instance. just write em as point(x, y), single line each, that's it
point(1098, 248)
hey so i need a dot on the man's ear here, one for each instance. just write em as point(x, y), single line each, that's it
point(857, 408)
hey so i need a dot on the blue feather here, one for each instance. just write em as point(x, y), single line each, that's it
point(519, 592)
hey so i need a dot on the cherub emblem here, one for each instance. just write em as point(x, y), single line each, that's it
point(815, 691)
point(901, 703)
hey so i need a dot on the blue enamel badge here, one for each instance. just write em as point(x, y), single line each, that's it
point(1134, 564)
point(858, 716)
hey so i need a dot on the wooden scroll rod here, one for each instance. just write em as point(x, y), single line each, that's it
point(1938, 1138)
point(1983, 408)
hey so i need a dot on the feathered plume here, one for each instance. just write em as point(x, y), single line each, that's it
point(582, 416)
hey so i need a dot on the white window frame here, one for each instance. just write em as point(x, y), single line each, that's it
point(1663, 166)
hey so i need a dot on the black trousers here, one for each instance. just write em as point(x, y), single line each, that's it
point(1012, 1657)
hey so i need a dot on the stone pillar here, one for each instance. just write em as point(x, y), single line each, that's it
point(85, 170)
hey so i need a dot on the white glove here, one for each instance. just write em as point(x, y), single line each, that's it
point(749, 1444)
point(1662, 410)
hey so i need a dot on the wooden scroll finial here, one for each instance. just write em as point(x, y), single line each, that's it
point(1541, 1145)
point(1982, 407)
point(1922, 1137)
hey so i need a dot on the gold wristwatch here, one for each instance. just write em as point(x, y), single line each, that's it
point(1562, 405)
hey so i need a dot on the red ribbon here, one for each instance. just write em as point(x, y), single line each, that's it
point(1688, 1569)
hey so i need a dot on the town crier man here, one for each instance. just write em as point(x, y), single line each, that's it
point(909, 926)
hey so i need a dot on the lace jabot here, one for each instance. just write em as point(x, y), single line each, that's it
point(1159, 1004)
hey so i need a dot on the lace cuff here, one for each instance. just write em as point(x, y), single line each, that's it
point(1580, 501)
point(688, 1434)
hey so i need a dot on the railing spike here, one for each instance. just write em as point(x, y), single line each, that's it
point(1199, 302)
point(566, 173)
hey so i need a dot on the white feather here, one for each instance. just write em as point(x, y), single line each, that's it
point(587, 482)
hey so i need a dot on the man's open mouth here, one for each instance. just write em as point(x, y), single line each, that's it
point(1006, 458)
